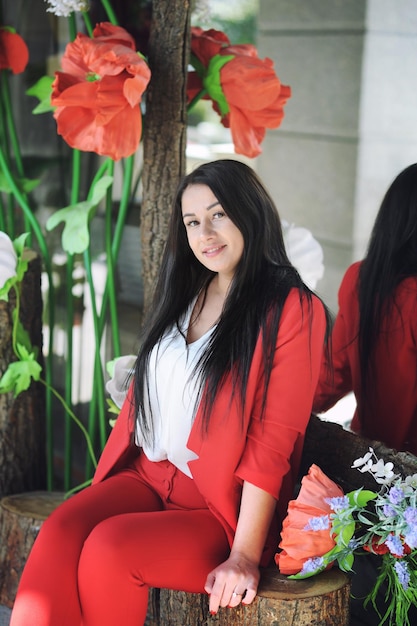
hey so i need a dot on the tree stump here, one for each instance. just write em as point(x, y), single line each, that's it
point(22, 419)
point(321, 600)
point(21, 517)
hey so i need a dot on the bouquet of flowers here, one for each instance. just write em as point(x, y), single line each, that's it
point(325, 527)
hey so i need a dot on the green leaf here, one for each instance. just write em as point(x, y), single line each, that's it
point(110, 367)
point(212, 82)
point(24, 184)
point(4, 291)
point(28, 184)
point(347, 533)
point(346, 562)
point(112, 407)
point(361, 497)
point(19, 375)
point(76, 217)
point(301, 576)
point(42, 90)
point(21, 267)
point(22, 336)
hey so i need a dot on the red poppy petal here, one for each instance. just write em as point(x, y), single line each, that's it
point(205, 44)
point(122, 135)
point(245, 49)
point(246, 138)
point(258, 83)
point(119, 138)
point(14, 53)
point(106, 31)
point(194, 85)
point(133, 89)
point(77, 95)
point(62, 82)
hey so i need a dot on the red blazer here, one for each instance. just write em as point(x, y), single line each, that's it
point(239, 447)
point(391, 403)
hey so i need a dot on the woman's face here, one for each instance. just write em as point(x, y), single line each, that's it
point(213, 237)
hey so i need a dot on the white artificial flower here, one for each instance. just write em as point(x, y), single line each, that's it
point(8, 259)
point(411, 481)
point(383, 470)
point(64, 8)
point(123, 368)
point(304, 252)
point(363, 460)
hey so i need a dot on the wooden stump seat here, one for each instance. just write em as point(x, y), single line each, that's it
point(321, 600)
point(21, 517)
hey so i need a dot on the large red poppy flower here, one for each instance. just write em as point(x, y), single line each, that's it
point(254, 94)
point(97, 95)
point(298, 544)
point(14, 53)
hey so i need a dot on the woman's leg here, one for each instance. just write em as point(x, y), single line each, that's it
point(48, 590)
point(125, 555)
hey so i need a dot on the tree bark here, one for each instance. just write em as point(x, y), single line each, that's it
point(21, 517)
point(164, 135)
point(334, 449)
point(22, 419)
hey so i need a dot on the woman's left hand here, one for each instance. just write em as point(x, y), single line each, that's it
point(232, 582)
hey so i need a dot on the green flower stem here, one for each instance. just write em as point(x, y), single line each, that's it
point(98, 370)
point(83, 485)
point(105, 168)
point(16, 323)
point(87, 22)
point(112, 249)
point(75, 191)
point(51, 310)
point(7, 208)
point(109, 10)
point(197, 98)
point(111, 273)
point(5, 92)
point(72, 26)
point(118, 232)
point(73, 417)
point(2, 217)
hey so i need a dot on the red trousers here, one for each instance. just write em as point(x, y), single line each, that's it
point(98, 553)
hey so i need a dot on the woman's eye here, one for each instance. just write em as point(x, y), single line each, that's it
point(218, 215)
point(191, 223)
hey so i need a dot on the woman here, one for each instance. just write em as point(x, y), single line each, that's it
point(374, 339)
point(198, 470)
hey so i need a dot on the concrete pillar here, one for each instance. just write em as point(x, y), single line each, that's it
point(351, 124)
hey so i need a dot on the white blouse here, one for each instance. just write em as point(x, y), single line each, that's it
point(172, 394)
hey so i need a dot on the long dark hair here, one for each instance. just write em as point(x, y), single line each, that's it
point(261, 283)
point(391, 257)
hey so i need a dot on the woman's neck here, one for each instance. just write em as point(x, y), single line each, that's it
point(207, 309)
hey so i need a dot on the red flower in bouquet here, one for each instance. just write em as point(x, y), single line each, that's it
point(97, 95)
point(376, 546)
point(14, 53)
point(245, 90)
point(298, 543)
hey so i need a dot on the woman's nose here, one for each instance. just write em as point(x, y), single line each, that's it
point(206, 229)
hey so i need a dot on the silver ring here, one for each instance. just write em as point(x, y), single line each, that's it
point(234, 594)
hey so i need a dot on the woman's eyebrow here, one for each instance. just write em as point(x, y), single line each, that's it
point(210, 206)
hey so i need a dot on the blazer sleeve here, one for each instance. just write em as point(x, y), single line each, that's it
point(271, 440)
point(336, 379)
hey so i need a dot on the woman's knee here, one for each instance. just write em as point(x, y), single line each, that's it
point(102, 552)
